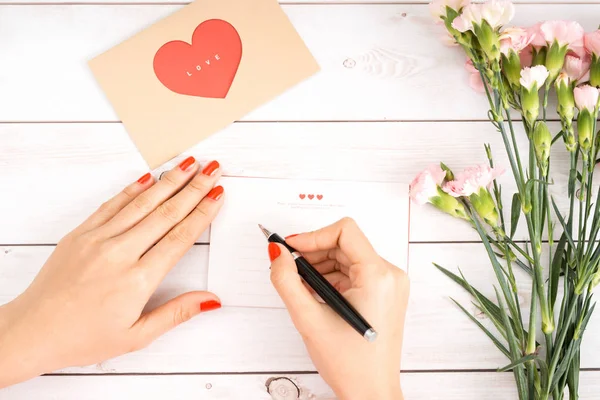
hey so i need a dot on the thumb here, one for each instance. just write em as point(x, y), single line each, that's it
point(176, 311)
point(284, 276)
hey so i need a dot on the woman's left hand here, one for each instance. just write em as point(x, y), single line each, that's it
point(86, 304)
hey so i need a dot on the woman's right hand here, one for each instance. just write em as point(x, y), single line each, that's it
point(353, 367)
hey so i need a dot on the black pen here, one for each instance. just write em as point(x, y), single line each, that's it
point(325, 290)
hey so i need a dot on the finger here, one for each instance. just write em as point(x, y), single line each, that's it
point(344, 234)
point(111, 207)
point(175, 312)
point(284, 276)
point(152, 228)
point(323, 255)
point(159, 260)
point(328, 266)
point(338, 279)
point(148, 201)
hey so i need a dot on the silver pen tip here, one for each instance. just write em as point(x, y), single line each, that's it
point(370, 335)
point(265, 231)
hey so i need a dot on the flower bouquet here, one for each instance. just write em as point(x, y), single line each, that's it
point(519, 70)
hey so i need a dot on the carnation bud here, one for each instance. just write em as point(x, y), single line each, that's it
point(539, 56)
point(566, 101)
point(596, 279)
point(530, 103)
point(585, 128)
point(489, 40)
point(542, 141)
point(485, 206)
point(448, 204)
point(595, 71)
point(569, 138)
point(555, 58)
point(511, 64)
point(532, 79)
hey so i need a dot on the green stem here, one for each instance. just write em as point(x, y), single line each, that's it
point(560, 340)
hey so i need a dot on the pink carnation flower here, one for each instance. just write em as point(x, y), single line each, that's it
point(578, 69)
point(496, 12)
point(515, 39)
point(535, 36)
point(534, 75)
point(566, 33)
point(586, 97)
point(449, 40)
point(425, 185)
point(526, 56)
point(592, 42)
point(438, 7)
point(471, 180)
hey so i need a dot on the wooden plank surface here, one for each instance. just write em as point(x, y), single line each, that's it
point(182, 2)
point(54, 175)
point(416, 386)
point(438, 336)
point(379, 62)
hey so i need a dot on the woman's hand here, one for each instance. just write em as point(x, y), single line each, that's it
point(86, 305)
point(353, 367)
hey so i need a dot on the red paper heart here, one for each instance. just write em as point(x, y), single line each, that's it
point(302, 196)
point(205, 68)
point(311, 196)
point(320, 196)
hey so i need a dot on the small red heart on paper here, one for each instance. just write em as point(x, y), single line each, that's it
point(206, 67)
point(302, 196)
point(320, 196)
point(311, 196)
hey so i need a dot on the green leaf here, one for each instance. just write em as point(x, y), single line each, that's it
point(487, 306)
point(524, 267)
point(562, 223)
point(557, 265)
point(558, 136)
point(518, 362)
point(515, 214)
point(564, 364)
point(493, 338)
point(495, 265)
point(586, 319)
point(518, 372)
point(485, 302)
point(513, 344)
point(543, 371)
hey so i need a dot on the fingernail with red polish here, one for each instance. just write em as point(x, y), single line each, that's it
point(274, 251)
point(145, 178)
point(209, 305)
point(187, 163)
point(211, 168)
point(291, 236)
point(216, 193)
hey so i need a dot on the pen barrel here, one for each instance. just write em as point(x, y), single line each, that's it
point(326, 290)
point(331, 296)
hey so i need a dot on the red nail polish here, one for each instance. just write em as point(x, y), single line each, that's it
point(216, 193)
point(185, 164)
point(274, 251)
point(211, 168)
point(291, 236)
point(145, 178)
point(209, 305)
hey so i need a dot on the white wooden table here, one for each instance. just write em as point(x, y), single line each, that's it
point(390, 100)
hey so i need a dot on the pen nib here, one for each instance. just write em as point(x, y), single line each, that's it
point(265, 231)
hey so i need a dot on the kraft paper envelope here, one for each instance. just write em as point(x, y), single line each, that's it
point(198, 70)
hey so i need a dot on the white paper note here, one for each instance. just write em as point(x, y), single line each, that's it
point(239, 264)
